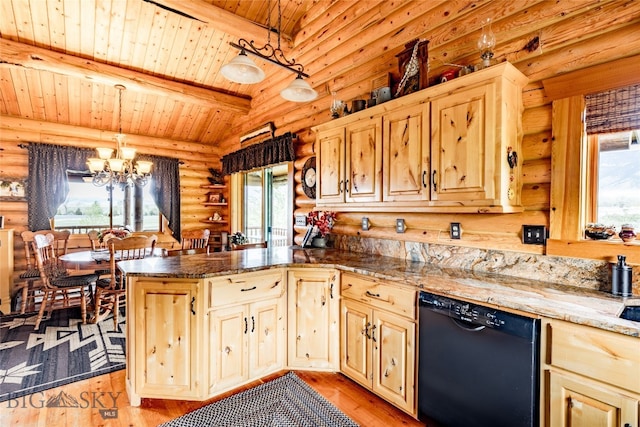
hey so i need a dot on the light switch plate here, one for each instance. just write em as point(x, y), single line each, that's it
point(301, 220)
point(365, 223)
point(400, 225)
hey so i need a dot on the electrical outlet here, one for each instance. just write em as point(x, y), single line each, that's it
point(365, 223)
point(301, 220)
point(455, 232)
point(534, 234)
point(400, 225)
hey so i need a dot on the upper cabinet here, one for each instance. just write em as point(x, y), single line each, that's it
point(450, 148)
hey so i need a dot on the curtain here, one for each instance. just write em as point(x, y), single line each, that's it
point(271, 152)
point(166, 189)
point(47, 185)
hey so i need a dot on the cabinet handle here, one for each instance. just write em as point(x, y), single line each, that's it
point(366, 330)
point(253, 324)
point(247, 289)
point(373, 333)
point(433, 179)
point(331, 291)
point(246, 325)
point(341, 185)
point(193, 301)
point(369, 294)
point(424, 179)
point(346, 186)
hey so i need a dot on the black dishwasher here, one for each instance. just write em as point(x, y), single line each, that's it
point(478, 366)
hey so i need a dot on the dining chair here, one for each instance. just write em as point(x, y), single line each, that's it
point(60, 288)
point(235, 247)
point(30, 287)
point(193, 251)
point(192, 239)
point(96, 245)
point(111, 292)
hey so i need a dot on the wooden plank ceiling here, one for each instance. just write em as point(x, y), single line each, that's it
point(61, 59)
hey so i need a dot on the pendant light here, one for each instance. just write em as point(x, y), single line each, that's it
point(243, 70)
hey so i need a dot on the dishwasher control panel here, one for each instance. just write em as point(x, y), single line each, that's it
point(473, 313)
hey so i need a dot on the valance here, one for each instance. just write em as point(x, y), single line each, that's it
point(271, 152)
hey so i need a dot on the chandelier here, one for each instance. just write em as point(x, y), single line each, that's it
point(242, 69)
point(119, 169)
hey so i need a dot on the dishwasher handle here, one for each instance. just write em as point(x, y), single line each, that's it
point(467, 326)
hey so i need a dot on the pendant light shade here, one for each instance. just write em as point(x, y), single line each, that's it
point(242, 69)
point(299, 91)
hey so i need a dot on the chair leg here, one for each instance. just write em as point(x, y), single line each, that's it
point(83, 306)
point(116, 310)
point(43, 307)
point(25, 294)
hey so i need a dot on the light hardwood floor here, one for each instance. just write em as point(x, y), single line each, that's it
point(362, 406)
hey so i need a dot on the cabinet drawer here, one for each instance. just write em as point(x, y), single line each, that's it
point(380, 295)
point(243, 288)
point(602, 355)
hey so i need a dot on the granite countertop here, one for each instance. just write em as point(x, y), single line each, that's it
point(577, 305)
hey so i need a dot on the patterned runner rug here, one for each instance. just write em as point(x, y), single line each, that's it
point(286, 401)
point(62, 351)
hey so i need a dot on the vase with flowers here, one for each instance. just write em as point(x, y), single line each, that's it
point(322, 223)
point(105, 235)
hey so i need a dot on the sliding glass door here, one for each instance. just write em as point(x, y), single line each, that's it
point(267, 205)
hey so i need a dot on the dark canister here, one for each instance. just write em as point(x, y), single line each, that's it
point(621, 278)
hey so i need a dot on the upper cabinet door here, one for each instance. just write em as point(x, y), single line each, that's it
point(330, 184)
point(363, 179)
point(406, 174)
point(462, 133)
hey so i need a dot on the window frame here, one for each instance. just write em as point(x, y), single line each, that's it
point(571, 158)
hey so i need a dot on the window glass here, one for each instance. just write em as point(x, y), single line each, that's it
point(87, 207)
point(618, 200)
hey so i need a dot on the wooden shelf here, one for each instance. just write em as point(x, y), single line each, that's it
point(208, 221)
point(214, 186)
point(214, 204)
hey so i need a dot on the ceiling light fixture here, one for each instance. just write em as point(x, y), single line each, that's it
point(119, 169)
point(242, 69)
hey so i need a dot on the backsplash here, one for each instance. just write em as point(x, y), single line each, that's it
point(583, 273)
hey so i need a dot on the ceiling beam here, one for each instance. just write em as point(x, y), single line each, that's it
point(223, 20)
point(14, 54)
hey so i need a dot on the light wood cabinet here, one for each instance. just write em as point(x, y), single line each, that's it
point(247, 328)
point(6, 269)
point(313, 318)
point(406, 146)
point(590, 377)
point(450, 148)
point(165, 328)
point(378, 339)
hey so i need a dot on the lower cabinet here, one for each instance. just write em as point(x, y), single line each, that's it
point(313, 319)
point(246, 342)
point(378, 339)
point(591, 377)
point(165, 323)
point(247, 328)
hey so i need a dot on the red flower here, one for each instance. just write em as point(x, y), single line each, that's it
point(322, 222)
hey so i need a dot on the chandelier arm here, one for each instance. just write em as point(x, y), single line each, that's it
point(273, 56)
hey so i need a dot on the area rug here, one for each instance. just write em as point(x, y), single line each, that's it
point(286, 401)
point(62, 351)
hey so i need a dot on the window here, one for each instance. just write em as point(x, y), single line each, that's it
point(618, 179)
point(87, 207)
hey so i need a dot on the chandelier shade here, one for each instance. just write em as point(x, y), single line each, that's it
point(242, 69)
point(121, 168)
point(299, 91)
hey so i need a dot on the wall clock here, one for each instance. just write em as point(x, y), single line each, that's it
point(309, 177)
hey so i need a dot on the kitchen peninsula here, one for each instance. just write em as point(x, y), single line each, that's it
point(184, 310)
